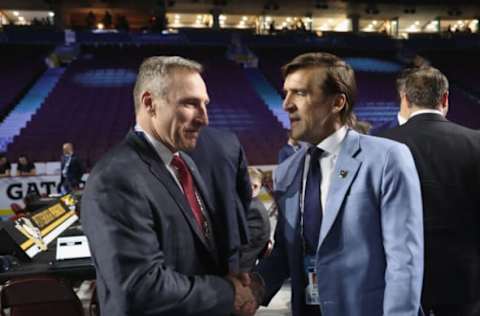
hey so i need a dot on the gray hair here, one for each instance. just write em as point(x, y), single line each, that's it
point(154, 75)
point(425, 87)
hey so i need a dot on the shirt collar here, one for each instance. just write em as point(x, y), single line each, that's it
point(165, 154)
point(401, 120)
point(426, 111)
point(331, 144)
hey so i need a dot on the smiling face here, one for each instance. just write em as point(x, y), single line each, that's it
point(177, 117)
point(312, 114)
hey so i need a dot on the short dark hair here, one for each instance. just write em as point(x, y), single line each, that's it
point(425, 87)
point(339, 79)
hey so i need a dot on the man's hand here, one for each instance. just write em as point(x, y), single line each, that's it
point(245, 303)
point(257, 286)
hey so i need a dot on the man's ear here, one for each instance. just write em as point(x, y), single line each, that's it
point(339, 102)
point(444, 104)
point(147, 102)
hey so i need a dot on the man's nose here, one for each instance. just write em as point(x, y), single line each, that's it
point(287, 104)
point(202, 117)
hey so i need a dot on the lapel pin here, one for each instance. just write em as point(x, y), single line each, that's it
point(343, 173)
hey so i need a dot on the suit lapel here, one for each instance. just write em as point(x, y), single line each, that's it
point(289, 188)
point(209, 210)
point(346, 169)
point(200, 184)
point(158, 169)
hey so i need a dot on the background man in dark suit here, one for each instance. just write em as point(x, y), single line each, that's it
point(222, 163)
point(447, 157)
point(71, 168)
point(146, 212)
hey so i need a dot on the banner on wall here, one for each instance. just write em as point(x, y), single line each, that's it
point(14, 189)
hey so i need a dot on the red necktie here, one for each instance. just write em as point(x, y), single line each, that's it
point(186, 180)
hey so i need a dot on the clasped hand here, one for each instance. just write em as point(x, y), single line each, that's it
point(247, 294)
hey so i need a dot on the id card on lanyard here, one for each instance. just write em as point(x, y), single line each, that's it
point(311, 288)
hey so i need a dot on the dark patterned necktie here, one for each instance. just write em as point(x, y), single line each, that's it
point(312, 209)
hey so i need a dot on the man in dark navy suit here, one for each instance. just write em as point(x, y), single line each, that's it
point(153, 233)
point(221, 161)
point(447, 157)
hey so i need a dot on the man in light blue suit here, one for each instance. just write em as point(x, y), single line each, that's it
point(350, 229)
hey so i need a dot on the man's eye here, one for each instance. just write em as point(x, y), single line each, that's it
point(301, 93)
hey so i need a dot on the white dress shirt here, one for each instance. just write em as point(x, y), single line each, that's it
point(426, 111)
point(331, 148)
point(401, 120)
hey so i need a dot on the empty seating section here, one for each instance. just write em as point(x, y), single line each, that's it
point(92, 105)
point(20, 65)
point(86, 112)
point(462, 69)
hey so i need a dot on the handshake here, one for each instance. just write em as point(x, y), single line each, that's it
point(249, 293)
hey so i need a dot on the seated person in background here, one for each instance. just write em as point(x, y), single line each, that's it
point(25, 168)
point(258, 225)
point(5, 167)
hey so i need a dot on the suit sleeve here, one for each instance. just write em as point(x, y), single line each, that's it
point(402, 229)
point(259, 227)
point(128, 256)
point(244, 187)
point(274, 269)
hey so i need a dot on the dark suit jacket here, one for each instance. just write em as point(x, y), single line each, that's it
point(221, 161)
point(149, 255)
point(259, 228)
point(447, 157)
point(74, 172)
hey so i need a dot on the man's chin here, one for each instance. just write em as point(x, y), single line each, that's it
point(188, 145)
point(296, 135)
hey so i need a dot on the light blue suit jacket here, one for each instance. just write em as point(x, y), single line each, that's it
point(370, 255)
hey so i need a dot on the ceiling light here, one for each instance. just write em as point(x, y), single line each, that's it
point(325, 27)
point(342, 26)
